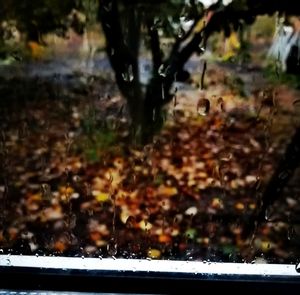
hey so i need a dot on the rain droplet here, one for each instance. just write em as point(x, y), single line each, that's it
point(180, 32)
point(108, 6)
point(162, 70)
point(290, 232)
point(174, 100)
point(162, 91)
point(268, 215)
point(72, 221)
point(296, 102)
point(128, 75)
point(46, 191)
point(202, 49)
point(225, 156)
point(8, 262)
point(111, 179)
point(220, 103)
point(284, 174)
point(153, 115)
point(76, 178)
point(203, 106)
point(112, 248)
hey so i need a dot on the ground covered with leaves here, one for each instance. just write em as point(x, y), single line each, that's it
point(73, 184)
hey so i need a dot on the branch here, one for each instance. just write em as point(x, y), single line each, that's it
point(220, 18)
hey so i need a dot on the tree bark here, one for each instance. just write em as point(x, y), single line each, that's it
point(282, 175)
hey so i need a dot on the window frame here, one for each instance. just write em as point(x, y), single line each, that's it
point(142, 276)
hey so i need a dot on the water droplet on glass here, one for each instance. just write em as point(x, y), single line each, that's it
point(108, 6)
point(112, 247)
point(296, 102)
point(162, 70)
point(225, 156)
point(111, 179)
point(290, 232)
point(46, 191)
point(180, 32)
point(202, 49)
point(72, 221)
point(76, 178)
point(203, 106)
point(174, 101)
point(284, 174)
point(8, 262)
point(128, 74)
point(268, 214)
point(220, 103)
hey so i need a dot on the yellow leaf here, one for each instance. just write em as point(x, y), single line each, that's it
point(102, 197)
point(234, 41)
point(35, 197)
point(217, 203)
point(37, 51)
point(144, 225)
point(66, 190)
point(232, 45)
point(265, 246)
point(154, 253)
point(124, 215)
point(239, 206)
point(167, 191)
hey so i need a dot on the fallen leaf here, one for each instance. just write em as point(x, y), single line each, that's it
point(154, 253)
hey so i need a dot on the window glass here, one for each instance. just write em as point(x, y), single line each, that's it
point(150, 129)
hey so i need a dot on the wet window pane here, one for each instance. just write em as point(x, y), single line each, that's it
point(164, 130)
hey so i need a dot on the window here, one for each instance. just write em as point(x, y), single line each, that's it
point(149, 145)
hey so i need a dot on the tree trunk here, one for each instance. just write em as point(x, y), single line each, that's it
point(281, 176)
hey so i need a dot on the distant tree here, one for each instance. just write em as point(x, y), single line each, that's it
point(129, 23)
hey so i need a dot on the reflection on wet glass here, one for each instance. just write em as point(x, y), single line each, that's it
point(147, 138)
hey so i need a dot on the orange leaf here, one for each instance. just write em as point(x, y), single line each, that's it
point(167, 191)
point(60, 246)
point(95, 236)
point(163, 238)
